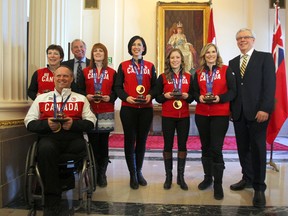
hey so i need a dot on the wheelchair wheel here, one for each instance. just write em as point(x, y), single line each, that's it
point(32, 212)
point(30, 173)
point(92, 167)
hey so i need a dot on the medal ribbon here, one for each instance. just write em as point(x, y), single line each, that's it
point(179, 86)
point(139, 75)
point(98, 86)
point(62, 107)
point(210, 80)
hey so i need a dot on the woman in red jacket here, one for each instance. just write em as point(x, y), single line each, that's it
point(214, 88)
point(134, 83)
point(175, 92)
point(97, 83)
point(42, 80)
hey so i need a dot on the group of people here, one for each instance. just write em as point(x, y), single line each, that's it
point(222, 92)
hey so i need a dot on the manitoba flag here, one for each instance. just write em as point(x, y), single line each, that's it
point(211, 30)
point(280, 112)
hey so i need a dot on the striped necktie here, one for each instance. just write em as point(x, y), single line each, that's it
point(243, 65)
point(79, 71)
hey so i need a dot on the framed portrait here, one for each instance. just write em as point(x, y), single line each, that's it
point(183, 26)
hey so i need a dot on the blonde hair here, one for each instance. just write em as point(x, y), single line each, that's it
point(202, 61)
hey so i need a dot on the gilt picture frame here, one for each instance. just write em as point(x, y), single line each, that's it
point(193, 19)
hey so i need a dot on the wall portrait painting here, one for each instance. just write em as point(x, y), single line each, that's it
point(183, 26)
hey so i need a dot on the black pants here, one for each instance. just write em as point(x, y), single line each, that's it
point(212, 131)
point(100, 144)
point(49, 155)
point(181, 125)
point(251, 144)
point(136, 125)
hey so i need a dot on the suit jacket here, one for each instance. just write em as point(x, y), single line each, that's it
point(256, 91)
point(70, 64)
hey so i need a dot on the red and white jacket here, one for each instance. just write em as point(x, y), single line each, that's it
point(164, 86)
point(223, 79)
point(77, 107)
point(107, 89)
point(126, 82)
point(45, 80)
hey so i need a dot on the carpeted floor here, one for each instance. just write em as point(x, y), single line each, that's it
point(156, 142)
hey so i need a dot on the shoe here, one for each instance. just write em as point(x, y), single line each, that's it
point(242, 184)
point(141, 179)
point(259, 200)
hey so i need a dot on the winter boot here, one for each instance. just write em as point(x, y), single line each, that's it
point(207, 167)
point(218, 169)
point(130, 160)
point(180, 170)
point(139, 164)
point(101, 174)
point(168, 162)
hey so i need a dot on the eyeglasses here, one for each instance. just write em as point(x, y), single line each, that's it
point(244, 37)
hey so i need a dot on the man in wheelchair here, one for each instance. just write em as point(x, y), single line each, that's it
point(59, 118)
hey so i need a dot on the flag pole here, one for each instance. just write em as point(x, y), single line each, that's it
point(271, 163)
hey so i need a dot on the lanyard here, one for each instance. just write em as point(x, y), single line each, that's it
point(139, 75)
point(98, 86)
point(210, 80)
point(62, 107)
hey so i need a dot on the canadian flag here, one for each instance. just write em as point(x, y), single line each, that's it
point(280, 113)
point(211, 30)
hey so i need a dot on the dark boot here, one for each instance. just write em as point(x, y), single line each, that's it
point(139, 164)
point(130, 160)
point(101, 174)
point(207, 167)
point(52, 205)
point(218, 169)
point(168, 162)
point(181, 167)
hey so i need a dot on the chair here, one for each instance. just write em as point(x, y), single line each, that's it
point(83, 165)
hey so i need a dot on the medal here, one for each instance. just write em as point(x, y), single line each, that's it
point(140, 89)
point(177, 104)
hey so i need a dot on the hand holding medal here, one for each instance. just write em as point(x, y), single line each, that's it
point(209, 98)
point(97, 96)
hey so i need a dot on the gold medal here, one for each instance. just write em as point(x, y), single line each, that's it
point(177, 104)
point(140, 89)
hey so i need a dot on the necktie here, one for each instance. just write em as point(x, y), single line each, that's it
point(243, 65)
point(79, 71)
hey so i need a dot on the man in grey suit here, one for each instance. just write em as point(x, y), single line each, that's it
point(78, 48)
point(256, 81)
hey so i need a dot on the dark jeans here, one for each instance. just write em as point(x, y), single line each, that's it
point(136, 124)
point(212, 131)
point(181, 126)
point(49, 155)
point(100, 144)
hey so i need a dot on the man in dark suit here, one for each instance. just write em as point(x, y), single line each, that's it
point(78, 48)
point(250, 112)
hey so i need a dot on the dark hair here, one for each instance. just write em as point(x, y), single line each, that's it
point(105, 60)
point(58, 48)
point(132, 40)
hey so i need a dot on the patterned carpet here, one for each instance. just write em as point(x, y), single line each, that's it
point(156, 142)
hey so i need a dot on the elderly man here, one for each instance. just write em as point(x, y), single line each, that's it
point(79, 62)
point(58, 136)
point(256, 81)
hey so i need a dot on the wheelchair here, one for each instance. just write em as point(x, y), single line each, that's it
point(84, 167)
